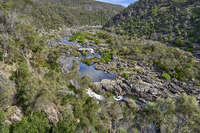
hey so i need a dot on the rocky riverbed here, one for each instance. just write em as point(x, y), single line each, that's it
point(84, 69)
point(120, 86)
point(142, 82)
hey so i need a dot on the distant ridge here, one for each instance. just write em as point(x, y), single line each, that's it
point(55, 13)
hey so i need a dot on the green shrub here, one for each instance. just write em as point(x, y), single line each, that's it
point(4, 128)
point(138, 70)
point(167, 113)
point(107, 57)
point(87, 61)
point(189, 49)
point(108, 41)
point(125, 75)
point(74, 37)
point(81, 40)
point(22, 76)
point(197, 83)
point(166, 76)
point(122, 68)
point(52, 61)
point(97, 41)
point(1, 54)
point(66, 126)
point(104, 35)
point(33, 123)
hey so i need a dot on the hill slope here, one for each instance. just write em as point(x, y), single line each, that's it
point(173, 21)
point(55, 13)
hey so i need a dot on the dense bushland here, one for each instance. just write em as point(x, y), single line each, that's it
point(171, 21)
point(167, 115)
point(53, 14)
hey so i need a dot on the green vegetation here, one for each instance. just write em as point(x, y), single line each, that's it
point(51, 101)
point(82, 36)
point(34, 123)
point(138, 70)
point(163, 113)
point(68, 125)
point(88, 61)
point(53, 14)
point(4, 128)
point(177, 63)
point(166, 76)
point(197, 83)
point(107, 57)
point(39, 81)
point(125, 74)
point(165, 20)
point(168, 113)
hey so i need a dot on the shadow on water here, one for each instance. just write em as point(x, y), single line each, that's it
point(95, 75)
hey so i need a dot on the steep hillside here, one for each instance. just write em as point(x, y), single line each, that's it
point(173, 21)
point(55, 13)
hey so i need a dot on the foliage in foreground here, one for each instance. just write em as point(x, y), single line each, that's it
point(167, 115)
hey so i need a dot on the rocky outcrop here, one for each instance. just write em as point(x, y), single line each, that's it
point(95, 95)
point(90, 50)
point(13, 114)
point(52, 114)
point(144, 82)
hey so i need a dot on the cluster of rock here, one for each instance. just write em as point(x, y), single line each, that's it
point(143, 85)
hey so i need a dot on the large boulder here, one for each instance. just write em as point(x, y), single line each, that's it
point(13, 114)
point(52, 114)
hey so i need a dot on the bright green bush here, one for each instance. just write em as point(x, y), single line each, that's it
point(125, 75)
point(74, 37)
point(166, 76)
point(97, 41)
point(81, 40)
point(107, 57)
